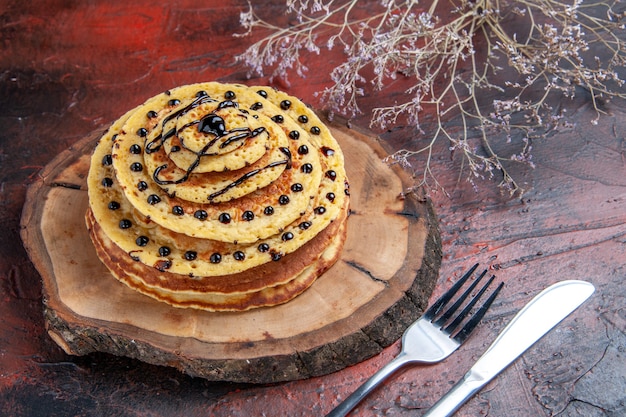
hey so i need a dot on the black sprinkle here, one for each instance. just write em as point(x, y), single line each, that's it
point(247, 215)
point(276, 256)
point(320, 210)
point(303, 118)
point(224, 218)
point(136, 167)
point(142, 241)
point(107, 182)
point(142, 185)
point(264, 247)
point(278, 118)
point(306, 168)
point(114, 205)
point(201, 215)
point(178, 210)
point(326, 151)
point(153, 199)
point(294, 134)
point(285, 104)
point(304, 225)
point(315, 130)
point(303, 150)
point(256, 106)
point(330, 197)
point(164, 251)
point(201, 93)
point(152, 114)
point(297, 187)
point(173, 102)
point(330, 174)
point(142, 132)
point(239, 255)
point(262, 93)
point(268, 211)
point(283, 199)
point(215, 258)
point(135, 149)
point(229, 95)
point(125, 224)
point(287, 236)
point(191, 255)
point(107, 160)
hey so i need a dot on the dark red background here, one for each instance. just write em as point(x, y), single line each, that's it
point(70, 67)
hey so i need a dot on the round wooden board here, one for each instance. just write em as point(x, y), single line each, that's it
point(380, 285)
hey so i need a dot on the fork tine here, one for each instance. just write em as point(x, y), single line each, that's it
point(477, 317)
point(447, 296)
point(445, 316)
point(455, 323)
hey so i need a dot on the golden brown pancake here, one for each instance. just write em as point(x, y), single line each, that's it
point(269, 284)
point(211, 181)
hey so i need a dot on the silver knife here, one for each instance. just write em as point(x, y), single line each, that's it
point(533, 321)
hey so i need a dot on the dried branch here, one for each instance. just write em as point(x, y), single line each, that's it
point(452, 61)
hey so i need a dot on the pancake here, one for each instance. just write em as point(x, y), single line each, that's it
point(267, 285)
point(215, 182)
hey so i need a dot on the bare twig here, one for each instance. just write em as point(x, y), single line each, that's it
point(556, 53)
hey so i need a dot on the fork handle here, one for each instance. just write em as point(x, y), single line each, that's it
point(349, 403)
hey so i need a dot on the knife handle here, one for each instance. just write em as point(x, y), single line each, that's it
point(471, 383)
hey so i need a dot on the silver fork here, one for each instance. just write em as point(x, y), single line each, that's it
point(427, 340)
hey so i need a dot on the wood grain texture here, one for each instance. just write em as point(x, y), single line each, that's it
point(362, 304)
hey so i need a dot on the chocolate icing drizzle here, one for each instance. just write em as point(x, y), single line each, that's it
point(252, 173)
point(210, 124)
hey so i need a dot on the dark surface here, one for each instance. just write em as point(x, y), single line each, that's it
point(69, 67)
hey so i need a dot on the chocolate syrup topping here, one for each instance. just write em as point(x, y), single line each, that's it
point(210, 124)
point(162, 265)
point(246, 177)
point(157, 142)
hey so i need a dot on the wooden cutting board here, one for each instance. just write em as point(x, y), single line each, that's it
point(380, 285)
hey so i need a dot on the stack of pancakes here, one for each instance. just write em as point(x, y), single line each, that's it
point(219, 197)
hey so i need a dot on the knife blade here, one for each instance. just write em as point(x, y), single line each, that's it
point(531, 323)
